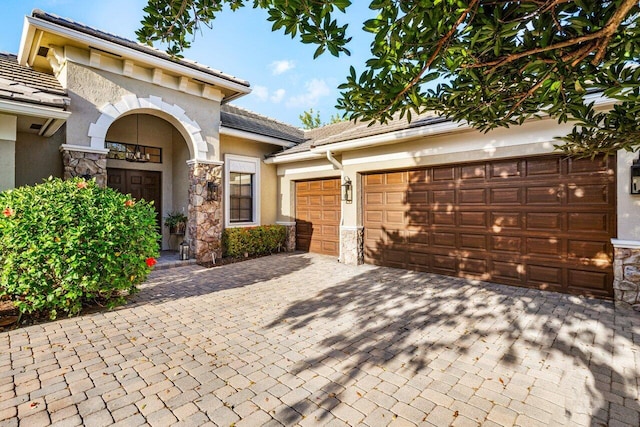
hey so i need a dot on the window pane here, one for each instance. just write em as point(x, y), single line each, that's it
point(240, 197)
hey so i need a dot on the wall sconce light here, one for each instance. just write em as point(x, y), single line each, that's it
point(635, 177)
point(212, 191)
point(347, 190)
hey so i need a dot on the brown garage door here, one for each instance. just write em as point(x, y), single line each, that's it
point(543, 222)
point(318, 216)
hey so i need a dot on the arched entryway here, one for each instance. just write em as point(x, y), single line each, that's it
point(148, 159)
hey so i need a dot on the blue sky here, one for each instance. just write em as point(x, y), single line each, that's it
point(285, 78)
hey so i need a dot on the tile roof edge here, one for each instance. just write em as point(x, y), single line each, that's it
point(121, 41)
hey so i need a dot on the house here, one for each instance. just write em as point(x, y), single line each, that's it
point(428, 195)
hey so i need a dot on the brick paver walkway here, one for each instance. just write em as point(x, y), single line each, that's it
point(300, 339)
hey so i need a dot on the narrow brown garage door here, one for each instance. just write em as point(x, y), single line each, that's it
point(543, 222)
point(318, 216)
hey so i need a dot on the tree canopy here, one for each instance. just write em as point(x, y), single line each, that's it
point(502, 61)
point(310, 120)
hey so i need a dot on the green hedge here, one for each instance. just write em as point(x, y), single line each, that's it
point(66, 243)
point(253, 240)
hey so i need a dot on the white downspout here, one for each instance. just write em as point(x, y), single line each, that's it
point(338, 166)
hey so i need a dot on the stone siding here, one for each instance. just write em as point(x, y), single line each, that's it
point(78, 163)
point(290, 242)
point(204, 223)
point(626, 283)
point(352, 246)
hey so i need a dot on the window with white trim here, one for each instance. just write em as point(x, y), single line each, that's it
point(242, 181)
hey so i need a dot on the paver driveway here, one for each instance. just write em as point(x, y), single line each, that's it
point(300, 339)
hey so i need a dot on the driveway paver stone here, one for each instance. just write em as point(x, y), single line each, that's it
point(299, 339)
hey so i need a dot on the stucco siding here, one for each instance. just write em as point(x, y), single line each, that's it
point(628, 205)
point(38, 157)
point(91, 89)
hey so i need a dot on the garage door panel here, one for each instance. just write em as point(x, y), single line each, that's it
point(443, 198)
point(588, 166)
point(588, 250)
point(318, 216)
point(505, 169)
point(473, 219)
point(506, 243)
point(511, 271)
point(446, 173)
point(544, 275)
point(473, 172)
point(330, 216)
point(524, 222)
point(417, 237)
point(585, 221)
point(394, 217)
point(418, 218)
point(588, 280)
point(443, 218)
point(394, 198)
point(544, 221)
point(445, 264)
point(447, 240)
point(509, 195)
point(588, 195)
point(473, 196)
point(543, 167)
point(544, 195)
point(543, 246)
point(473, 266)
point(417, 197)
point(374, 198)
point(374, 179)
point(473, 241)
point(418, 176)
point(503, 221)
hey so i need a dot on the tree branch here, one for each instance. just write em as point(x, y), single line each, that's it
point(435, 53)
point(603, 36)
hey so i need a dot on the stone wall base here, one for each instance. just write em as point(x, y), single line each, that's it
point(626, 282)
point(290, 242)
point(204, 223)
point(352, 245)
point(86, 165)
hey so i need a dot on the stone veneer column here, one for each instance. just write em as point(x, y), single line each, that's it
point(204, 224)
point(78, 162)
point(626, 273)
point(290, 243)
point(352, 245)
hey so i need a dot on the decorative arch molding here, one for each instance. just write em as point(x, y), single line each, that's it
point(154, 105)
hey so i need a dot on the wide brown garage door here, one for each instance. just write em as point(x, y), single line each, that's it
point(318, 216)
point(543, 222)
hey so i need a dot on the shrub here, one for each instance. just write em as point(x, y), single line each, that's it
point(253, 240)
point(65, 243)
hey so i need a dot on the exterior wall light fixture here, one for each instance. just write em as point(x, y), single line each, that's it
point(212, 191)
point(635, 177)
point(347, 190)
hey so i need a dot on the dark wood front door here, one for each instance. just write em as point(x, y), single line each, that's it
point(145, 185)
point(542, 222)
